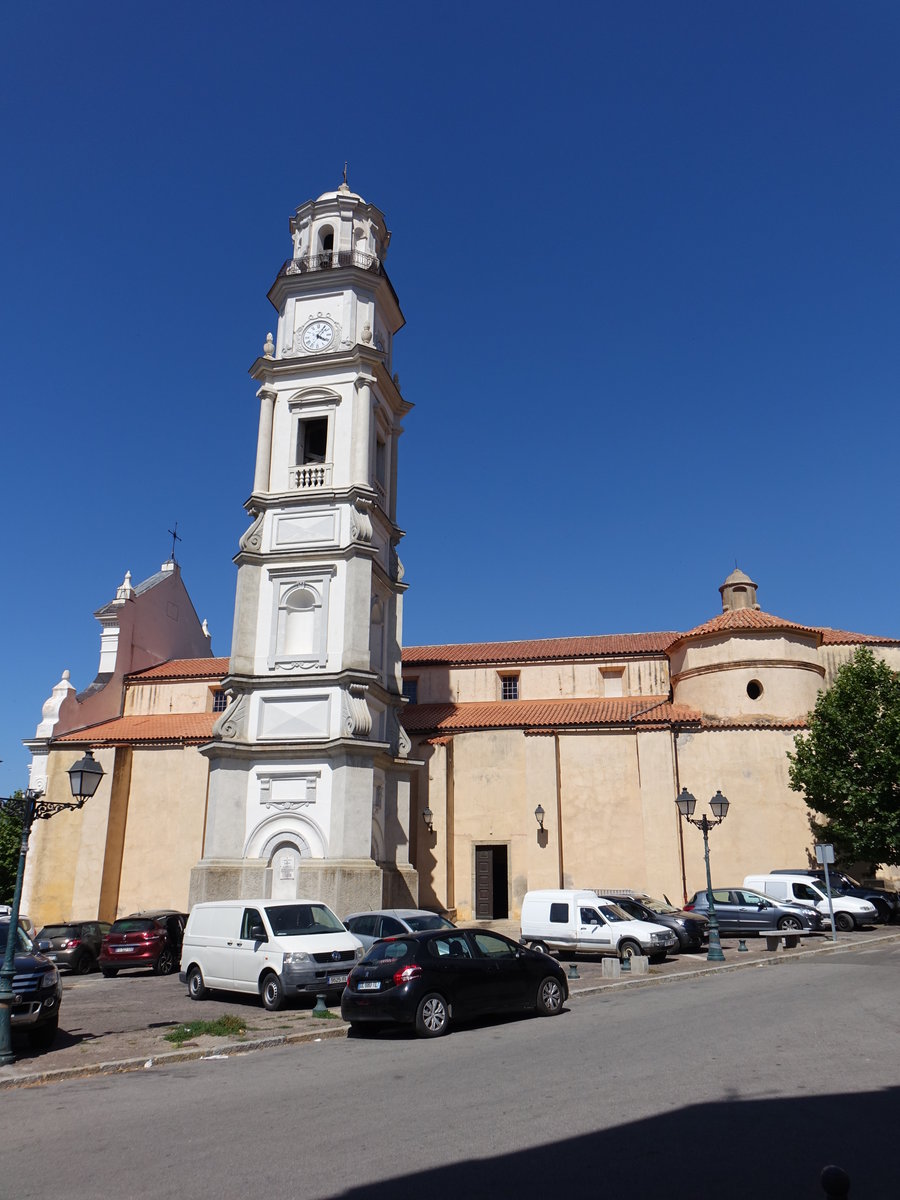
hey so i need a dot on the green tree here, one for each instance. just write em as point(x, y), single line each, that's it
point(10, 844)
point(847, 765)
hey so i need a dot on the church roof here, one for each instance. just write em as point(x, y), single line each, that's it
point(166, 728)
point(546, 714)
point(841, 637)
point(183, 668)
point(537, 649)
point(737, 620)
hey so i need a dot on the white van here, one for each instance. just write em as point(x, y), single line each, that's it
point(582, 922)
point(849, 912)
point(275, 948)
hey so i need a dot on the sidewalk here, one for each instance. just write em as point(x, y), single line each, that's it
point(115, 1025)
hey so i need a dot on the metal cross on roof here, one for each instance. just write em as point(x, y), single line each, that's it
point(175, 538)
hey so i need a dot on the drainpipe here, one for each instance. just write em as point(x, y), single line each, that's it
point(680, 822)
point(559, 819)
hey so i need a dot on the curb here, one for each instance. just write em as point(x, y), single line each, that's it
point(170, 1057)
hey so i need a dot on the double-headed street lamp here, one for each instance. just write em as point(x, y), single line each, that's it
point(719, 805)
point(84, 779)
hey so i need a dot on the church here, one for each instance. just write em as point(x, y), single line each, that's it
point(325, 759)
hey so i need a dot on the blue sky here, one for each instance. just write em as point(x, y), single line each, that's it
point(648, 257)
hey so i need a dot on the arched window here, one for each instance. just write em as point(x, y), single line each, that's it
point(299, 632)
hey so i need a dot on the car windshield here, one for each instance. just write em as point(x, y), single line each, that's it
point(54, 931)
point(660, 906)
point(290, 919)
point(431, 921)
point(389, 951)
point(612, 912)
point(24, 943)
point(133, 925)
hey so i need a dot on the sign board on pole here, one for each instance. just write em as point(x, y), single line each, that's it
point(824, 853)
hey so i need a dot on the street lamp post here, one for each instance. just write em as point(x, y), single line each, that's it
point(719, 805)
point(84, 778)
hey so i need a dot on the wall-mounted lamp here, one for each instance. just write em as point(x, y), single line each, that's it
point(428, 818)
point(539, 816)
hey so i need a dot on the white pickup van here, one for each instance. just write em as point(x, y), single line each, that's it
point(849, 912)
point(275, 948)
point(582, 922)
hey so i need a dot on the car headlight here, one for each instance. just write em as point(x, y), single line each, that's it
point(360, 953)
point(296, 958)
point(659, 937)
point(51, 977)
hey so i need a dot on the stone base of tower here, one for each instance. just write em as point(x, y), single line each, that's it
point(345, 885)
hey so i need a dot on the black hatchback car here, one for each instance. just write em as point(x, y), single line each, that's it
point(74, 944)
point(431, 979)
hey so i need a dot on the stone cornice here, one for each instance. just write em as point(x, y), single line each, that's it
point(750, 664)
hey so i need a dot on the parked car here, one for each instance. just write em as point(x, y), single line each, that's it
point(691, 928)
point(886, 902)
point(429, 979)
point(26, 923)
point(741, 911)
point(849, 912)
point(271, 948)
point(389, 922)
point(37, 991)
point(75, 944)
point(146, 939)
point(581, 922)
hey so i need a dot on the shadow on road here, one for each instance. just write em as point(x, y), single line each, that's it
point(732, 1150)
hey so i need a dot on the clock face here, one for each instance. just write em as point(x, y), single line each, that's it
point(318, 335)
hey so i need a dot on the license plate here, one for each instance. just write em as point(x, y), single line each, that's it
point(124, 949)
point(52, 957)
point(369, 985)
point(337, 978)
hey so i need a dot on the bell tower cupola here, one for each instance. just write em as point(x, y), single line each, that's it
point(738, 591)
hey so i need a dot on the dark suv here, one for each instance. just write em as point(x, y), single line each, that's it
point(37, 991)
point(75, 945)
point(887, 903)
point(145, 939)
point(691, 928)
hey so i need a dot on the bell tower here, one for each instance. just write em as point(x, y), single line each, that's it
point(309, 784)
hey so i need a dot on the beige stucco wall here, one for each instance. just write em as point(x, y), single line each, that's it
point(177, 696)
point(542, 681)
point(164, 831)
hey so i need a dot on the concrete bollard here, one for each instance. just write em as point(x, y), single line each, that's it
point(640, 965)
point(611, 968)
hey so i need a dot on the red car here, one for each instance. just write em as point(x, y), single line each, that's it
point(146, 939)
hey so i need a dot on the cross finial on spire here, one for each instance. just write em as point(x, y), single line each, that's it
point(345, 175)
point(175, 538)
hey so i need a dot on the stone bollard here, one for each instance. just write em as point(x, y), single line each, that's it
point(640, 965)
point(611, 968)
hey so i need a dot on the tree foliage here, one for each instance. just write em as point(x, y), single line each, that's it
point(847, 765)
point(10, 844)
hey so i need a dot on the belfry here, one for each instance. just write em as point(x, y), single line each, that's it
point(309, 780)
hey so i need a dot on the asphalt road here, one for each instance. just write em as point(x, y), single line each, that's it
point(736, 1085)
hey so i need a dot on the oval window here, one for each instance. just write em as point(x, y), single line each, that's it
point(754, 689)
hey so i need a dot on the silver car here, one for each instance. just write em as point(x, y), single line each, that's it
point(741, 911)
point(370, 927)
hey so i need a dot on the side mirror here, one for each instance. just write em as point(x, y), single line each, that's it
point(258, 933)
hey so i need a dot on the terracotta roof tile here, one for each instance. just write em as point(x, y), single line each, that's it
point(546, 714)
point(740, 619)
point(840, 637)
point(615, 644)
point(183, 668)
point(168, 727)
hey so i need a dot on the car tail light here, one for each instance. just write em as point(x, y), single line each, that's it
point(406, 975)
point(71, 943)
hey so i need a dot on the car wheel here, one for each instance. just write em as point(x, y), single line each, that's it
point(271, 992)
point(432, 1016)
point(109, 972)
point(43, 1037)
point(844, 921)
point(197, 989)
point(541, 947)
point(165, 964)
point(790, 923)
point(549, 997)
point(84, 964)
point(882, 912)
point(629, 949)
